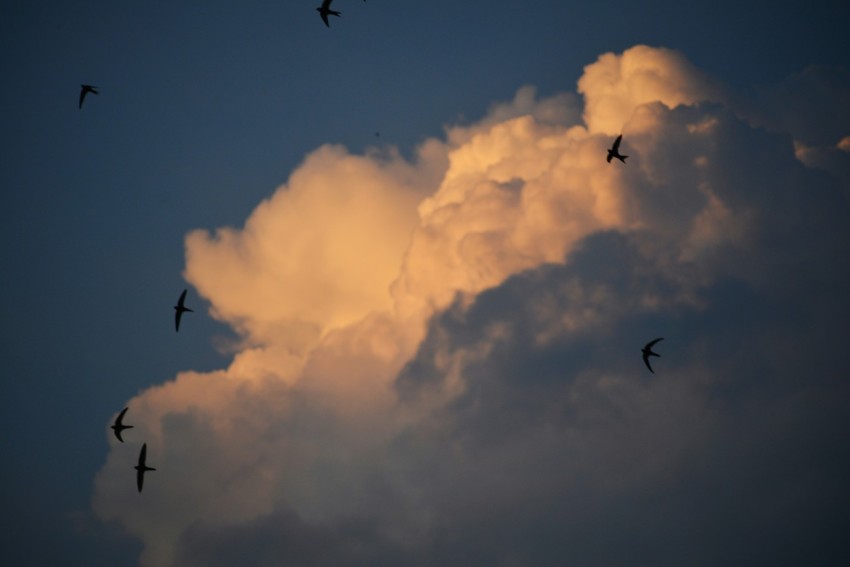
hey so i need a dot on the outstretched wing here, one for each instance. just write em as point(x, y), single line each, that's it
point(178, 310)
point(646, 361)
point(143, 455)
point(616, 145)
point(118, 420)
point(326, 5)
point(652, 342)
point(83, 92)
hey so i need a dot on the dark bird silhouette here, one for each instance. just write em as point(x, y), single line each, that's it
point(647, 352)
point(179, 310)
point(325, 10)
point(118, 426)
point(141, 468)
point(84, 90)
point(614, 153)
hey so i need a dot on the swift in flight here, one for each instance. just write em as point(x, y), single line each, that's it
point(142, 468)
point(179, 309)
point(614, 151)
point(118, 426)
point(84, 90)
point(325, 10)
point(647, 352)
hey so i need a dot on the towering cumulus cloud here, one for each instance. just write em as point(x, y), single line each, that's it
point(440, 359)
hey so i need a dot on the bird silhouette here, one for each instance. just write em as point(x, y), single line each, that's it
point(325, 10)
point(647, 352)
point(614, 153)
point(84, 90)
point(179, 310)
point(141, 468)
point(118, 426)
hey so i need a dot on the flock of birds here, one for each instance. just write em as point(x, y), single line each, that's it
point(118, 426)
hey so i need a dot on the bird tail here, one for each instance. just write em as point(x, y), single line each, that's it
point(623, 158)
point(334, 13)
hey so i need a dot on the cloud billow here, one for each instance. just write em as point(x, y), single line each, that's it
point(441, 358)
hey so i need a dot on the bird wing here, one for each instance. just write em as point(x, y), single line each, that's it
point(117, 431)
point(325, 18)
point(610, 155)
point(646, 361)
point(178, 310)
point(140, 469)
point(616, 145)
point(652, 342)
point(83, 92)
point(326, 4)
point(121, 416)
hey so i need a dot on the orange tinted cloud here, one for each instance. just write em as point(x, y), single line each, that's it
point(334, 281)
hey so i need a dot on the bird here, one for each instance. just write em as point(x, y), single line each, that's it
point(179, 310)
point(84, 90)
point(613, 152)
point(647, 352)
point(142, 468)
point(325, 10)
point(118, 427)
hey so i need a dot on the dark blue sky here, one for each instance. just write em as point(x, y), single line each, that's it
point(204, 109)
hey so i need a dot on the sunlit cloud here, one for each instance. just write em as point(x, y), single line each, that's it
point(440, 358)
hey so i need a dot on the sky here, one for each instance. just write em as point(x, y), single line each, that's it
point(419, 290)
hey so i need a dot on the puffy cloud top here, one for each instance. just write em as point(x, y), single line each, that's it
point(615, 85)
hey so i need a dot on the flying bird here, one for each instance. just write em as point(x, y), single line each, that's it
point(614, 153)
point(325, 10)
point(118, 426)
point(647, 352)
point(179, 310)
point(141, 468)
point(84, 90)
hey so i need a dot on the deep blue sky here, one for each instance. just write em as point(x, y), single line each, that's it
point(204, 109)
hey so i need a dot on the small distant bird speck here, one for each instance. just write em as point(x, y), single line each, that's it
point(141, 468)
point(118, 426)
point(179, 309)
point(647, 352)
point(325, 10)
point(614, 153)
point(84, 90)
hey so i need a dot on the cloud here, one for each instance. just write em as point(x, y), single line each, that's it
point(319, 254)
point(441, 358)
point(615, 85)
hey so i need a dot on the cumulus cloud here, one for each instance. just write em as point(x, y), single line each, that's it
point(441, 358)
